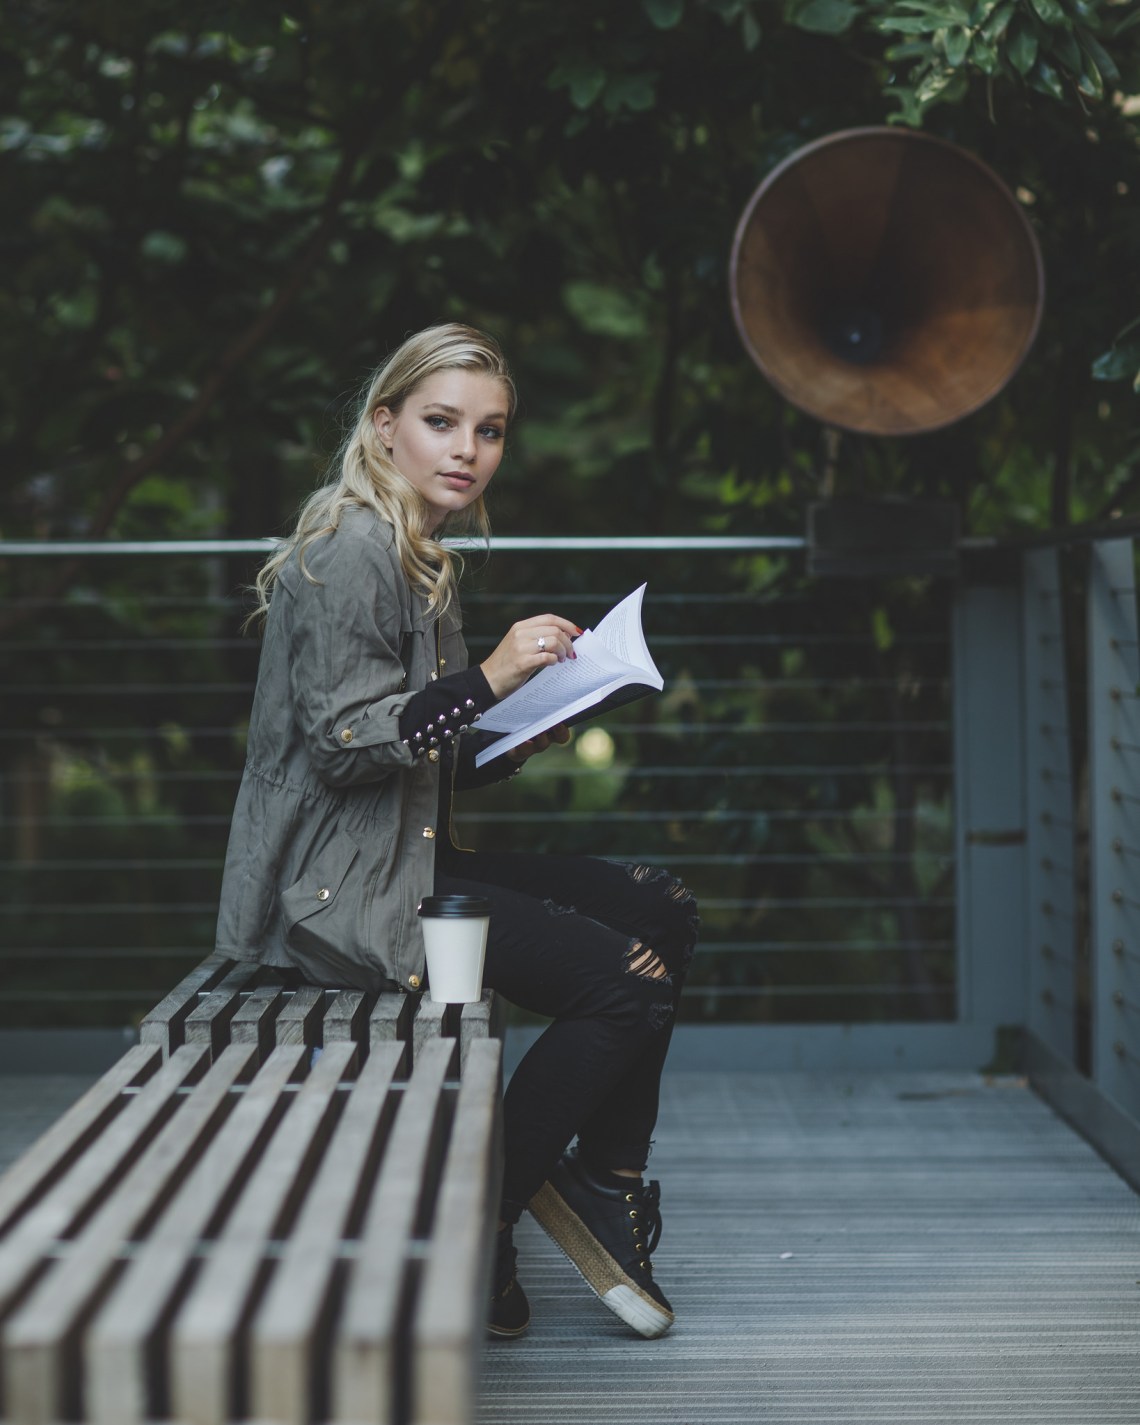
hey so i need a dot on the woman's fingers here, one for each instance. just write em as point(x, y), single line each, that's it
point(530, 644)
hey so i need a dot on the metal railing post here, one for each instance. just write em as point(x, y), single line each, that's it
point(1049, 809)
point(1114, 821)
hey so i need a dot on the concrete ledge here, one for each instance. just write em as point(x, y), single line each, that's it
point(62, 1051)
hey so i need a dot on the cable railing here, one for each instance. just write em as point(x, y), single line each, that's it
point(797, 771)
point(1082, 738)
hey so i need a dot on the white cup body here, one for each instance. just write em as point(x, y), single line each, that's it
point(455, 949)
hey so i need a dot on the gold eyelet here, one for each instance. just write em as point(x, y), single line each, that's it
point(633, 1212)
point(629, 1197)
point(645, 1265)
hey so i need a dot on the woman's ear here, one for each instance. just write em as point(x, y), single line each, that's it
point(385, 424)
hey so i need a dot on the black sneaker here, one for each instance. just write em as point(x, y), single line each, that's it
point(609, 1234)
point(510, 1310)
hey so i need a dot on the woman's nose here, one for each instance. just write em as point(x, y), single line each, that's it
point(464, 446)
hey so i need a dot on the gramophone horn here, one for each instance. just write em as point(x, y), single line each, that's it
point(885, 281)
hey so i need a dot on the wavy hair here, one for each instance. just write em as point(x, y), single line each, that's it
point(366, 476)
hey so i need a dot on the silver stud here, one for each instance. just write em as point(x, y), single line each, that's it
point(434, 741)
point(454, 712)
point(476, 717)
point(419, 737)
point(462, 727)
point(470, 703)
point(447, 732)
point(442, 717)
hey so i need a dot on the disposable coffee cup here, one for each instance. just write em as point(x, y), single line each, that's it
point(455, 943)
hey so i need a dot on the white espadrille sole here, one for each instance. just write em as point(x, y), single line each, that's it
point(601, 1273)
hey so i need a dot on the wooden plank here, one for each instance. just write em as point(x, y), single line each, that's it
point(288, 1336)
point(485, 1018)
point(392, 1017)
point(124, 1349)
point(164, 1025)
point(69, 1201)
point(299, 1021)
point(42, 1361)
point(430, 1023)
point(209, 1022)
point(450, 1311)
point(370, 1373)
point(51, 1155)
point(254, 1020)
point(206, 1335)
point(347, 1018)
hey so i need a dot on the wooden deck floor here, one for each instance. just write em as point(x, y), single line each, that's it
point(846, 1249)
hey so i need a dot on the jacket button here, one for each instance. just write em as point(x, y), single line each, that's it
point(346, 735)
point(413, 982)
point(323, 893)
point(433, 755)
point(429, 832)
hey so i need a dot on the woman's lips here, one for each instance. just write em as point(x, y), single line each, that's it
point(457, 480)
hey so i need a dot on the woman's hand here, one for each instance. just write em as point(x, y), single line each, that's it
point(559, 734)
point(532, 644)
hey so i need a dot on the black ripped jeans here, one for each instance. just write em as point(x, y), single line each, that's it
point(602, 948)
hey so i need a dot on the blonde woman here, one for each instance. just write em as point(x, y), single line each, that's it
point(364, 725)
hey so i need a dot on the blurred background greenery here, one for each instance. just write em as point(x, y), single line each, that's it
point(217, 220)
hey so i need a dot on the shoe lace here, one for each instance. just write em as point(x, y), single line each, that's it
point(650, 1208)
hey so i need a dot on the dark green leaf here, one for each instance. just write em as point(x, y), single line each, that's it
point(1122, 363)
point(665, 14)
point(1022, 50)
point(1046, 79)
point(984, 55)
point(1050, 11)
point(998, 23)
point(750, 32)
point(957, 43)
point(826, 17)
point(1099, 55)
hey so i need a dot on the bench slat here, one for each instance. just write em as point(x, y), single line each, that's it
point(206, 1332)
point(369, 1357)
point(254, 1021)
point(288, 1331)
point(391, 1017)
point(41, 1360)
point(56, 1214)
point(347, 1017)
point(209, 1022)
point(455, 1285)
point(481, 1020)
point(52, 1154)
point(300, 1019)
point(164, 1025)
point(122, 1345)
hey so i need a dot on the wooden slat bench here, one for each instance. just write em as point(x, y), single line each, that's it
point(228, 1226)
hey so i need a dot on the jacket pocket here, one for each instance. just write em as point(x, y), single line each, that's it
point(321, 911)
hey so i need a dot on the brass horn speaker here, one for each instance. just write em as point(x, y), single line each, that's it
point(885, 281)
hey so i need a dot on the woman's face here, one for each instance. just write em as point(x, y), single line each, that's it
point(447, 438)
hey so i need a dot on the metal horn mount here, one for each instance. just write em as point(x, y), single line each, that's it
point(886, 282)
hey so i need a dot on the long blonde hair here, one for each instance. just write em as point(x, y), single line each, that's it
point(367, 477)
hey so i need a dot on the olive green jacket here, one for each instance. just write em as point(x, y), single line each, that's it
point(332, 844)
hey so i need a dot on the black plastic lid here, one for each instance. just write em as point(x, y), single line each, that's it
point(455, 907)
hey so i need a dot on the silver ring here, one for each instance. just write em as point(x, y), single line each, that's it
point(541, 644)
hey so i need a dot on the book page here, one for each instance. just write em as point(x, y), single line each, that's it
point(622, 634)
point(553, 691)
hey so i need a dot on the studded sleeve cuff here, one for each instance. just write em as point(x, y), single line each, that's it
point(445, 708)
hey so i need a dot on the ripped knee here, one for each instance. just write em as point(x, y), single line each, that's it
point(641, 960)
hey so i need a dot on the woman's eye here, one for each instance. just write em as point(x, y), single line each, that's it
point(438, 422)
point(491, 432)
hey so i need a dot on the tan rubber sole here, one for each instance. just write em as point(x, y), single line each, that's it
point(598, 1269)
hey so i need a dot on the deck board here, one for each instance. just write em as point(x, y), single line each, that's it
point(957, 1255)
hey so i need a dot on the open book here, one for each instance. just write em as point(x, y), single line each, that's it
point(613, 666)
